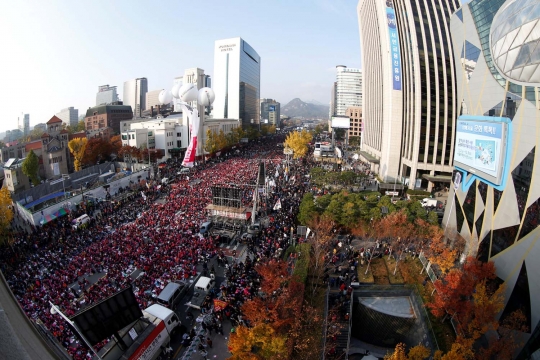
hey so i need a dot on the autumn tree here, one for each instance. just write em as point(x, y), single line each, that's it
point(6, 213)
point(210, 143)
point(221, 140)
point(298, 141)
point(30, 167)
point(97, 149)
point(418, 352)
point(116, 144)
point(77, 147)
point(259, 342)
point(129, 153)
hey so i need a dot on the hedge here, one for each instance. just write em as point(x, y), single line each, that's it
point(418, 192)
point(302, 263)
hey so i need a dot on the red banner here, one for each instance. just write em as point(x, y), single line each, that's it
point(219, 305)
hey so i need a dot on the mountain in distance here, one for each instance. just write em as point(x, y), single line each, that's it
point(297, 108)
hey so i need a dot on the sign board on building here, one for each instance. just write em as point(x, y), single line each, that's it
point(341, 122)
point(395, 58)
point(391, 193)
point(271, 107)
point(482, 149)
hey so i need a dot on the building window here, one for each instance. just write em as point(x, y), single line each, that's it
point(179, 134)
point(178, 144)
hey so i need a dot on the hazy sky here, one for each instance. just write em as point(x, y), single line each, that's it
point(56, 53)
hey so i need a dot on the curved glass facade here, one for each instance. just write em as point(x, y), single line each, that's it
point(515, 37)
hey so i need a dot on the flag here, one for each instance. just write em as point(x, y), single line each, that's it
point(143, 196)
point(277, 174)
point(191, 151)
point(278, 205)
point(307, 232)
point(219, 305)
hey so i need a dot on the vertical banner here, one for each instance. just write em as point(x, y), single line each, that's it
point(193, 114)
point(395, 59)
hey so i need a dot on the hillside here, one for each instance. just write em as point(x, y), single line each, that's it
point(297, 108)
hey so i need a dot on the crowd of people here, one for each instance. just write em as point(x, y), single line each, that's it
point(76, 268)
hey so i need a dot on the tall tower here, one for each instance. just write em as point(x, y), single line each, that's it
point(236, 82)
point(409, 87)
point(135, 95)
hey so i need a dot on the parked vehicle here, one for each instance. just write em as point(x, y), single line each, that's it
point(205, 227)
point(81, 220)
point(254, 229)
point(171, 295)
point(427, 202)
point(146, 338)
point(201, 291)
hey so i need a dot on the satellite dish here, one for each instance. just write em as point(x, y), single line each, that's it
point(188, 92)
point(165, 97)
point(206, 96)
point(174, 90)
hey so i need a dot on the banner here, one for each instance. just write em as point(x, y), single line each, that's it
point(278, 205)
point(191, 151)
point(219, 305)
point(143, 196)
point(395, 59)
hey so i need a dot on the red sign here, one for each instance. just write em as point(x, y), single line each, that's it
point(219, 305)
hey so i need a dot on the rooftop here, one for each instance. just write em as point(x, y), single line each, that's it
point(54, 120)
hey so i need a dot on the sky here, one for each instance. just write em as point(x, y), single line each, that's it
point(56, 53)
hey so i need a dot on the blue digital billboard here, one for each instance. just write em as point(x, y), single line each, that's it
point(482, 149)
point(271, 107)
point(395, 59)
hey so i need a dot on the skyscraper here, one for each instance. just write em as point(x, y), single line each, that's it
point(135, 95)
point(69, 116)
point(237, 76)
point(348, 91)
point(270, 112)
point(409, 90)
point(106, 95)
point(26, 124)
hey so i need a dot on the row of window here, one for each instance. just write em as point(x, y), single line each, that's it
point(55, 160)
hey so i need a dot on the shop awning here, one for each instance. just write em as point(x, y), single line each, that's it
point(437, 178)
point(369, 157)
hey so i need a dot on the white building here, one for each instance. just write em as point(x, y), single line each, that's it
point(26, 124)
point(237, 75)
point(348, 89)
point(409, 90)
point(170, 133)
point(135, 95)
point(106, 95)
point(69, 116)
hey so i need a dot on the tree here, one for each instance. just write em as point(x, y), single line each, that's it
point(307, 209)
point(210, 145)
point(259, 342)
point(354, 141)
point(6, 213)
point(419, 352)
point(80, 126)
point(298, 141)
point(97, 150)
point(35, 134)
point(116, 144)
point(77, 147)
point(30, 167)
point(129, 153)
point(221, 140)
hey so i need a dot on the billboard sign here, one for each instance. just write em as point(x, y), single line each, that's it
point(395, 58)
point(271, 107)
point(482, 149)
point(341, 122)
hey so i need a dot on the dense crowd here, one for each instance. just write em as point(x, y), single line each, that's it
point(158, 241)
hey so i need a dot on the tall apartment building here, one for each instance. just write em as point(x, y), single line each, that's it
point(69, 116)
point(135, 95)
point(355, 115)
point(270, 112)
point(237, 78)
point(348, 90)
point(106, 95)
point(409, 90)
point(498, 75)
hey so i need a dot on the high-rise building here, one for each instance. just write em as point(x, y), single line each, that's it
point(332, 110)
point(69, 116)
point(135, 95)
point(348, 89)
point(152, 99)
point(270, 112)
point(237, 77)
point(106, 95)
point(409, 106)
point(26, 124)
point(498, 74)
point(355, 115)
point(102, 116)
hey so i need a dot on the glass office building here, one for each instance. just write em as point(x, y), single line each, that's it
point(495, 43)
point(237, 77)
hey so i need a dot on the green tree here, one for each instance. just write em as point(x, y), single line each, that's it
point(6, 213)
point(432, 218)
point(307, 209)
point(77, 147)
point(354, 141)
point(35, 134)
point(80, 126)
point(30, 167)
point(221, 140)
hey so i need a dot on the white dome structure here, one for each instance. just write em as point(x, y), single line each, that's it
point(188, 92)
point(515, 41)
point(165, 97)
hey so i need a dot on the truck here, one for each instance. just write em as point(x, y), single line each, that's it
point(200, 292)
point(427, 202)
point(145, 338)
